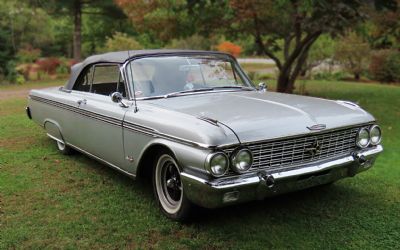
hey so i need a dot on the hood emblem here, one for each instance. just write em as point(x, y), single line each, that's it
point(314, 149)
point(317, 127)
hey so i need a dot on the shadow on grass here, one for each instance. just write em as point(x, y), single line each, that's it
point(325, 202)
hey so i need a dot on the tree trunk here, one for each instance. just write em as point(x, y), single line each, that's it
point(77, 29)
point(357, 76)
point(292, 67)
point(284, 83)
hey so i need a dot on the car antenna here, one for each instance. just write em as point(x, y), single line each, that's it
point(134, 92)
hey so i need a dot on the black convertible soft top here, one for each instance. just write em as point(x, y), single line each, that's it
point(121, 57)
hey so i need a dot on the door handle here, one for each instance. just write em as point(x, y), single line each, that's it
point(80, 102)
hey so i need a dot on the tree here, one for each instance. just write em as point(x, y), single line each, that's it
point(21, 26)
point(121, 41)
point(297, 23)
point(163, 20)
point(287, 27)
point(383, 29)
point(321, 52)
point(353, 53)
point(76, 8)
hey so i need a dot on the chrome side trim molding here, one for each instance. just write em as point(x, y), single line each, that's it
point(154, 133)
point(120, 123)
point(54, 138)
point(102, 160)
point(96, 116)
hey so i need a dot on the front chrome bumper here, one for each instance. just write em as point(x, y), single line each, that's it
point(213, 193)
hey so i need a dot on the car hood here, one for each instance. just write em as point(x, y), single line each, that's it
point(255, 116)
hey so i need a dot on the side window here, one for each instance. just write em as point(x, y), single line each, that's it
point(107, 79)
point(84, 80)
point(102, 79)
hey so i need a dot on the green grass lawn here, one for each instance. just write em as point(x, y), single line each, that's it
point(48, 200)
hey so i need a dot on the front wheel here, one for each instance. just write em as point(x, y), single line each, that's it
point(168, 189)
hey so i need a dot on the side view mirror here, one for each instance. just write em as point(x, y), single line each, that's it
point(117, 98)
point(262, 87)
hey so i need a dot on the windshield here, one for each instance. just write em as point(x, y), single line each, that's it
point(166, 75)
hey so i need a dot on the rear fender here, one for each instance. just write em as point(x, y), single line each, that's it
point(53, 130)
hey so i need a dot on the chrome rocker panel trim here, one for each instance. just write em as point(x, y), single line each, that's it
point(96, 158)
point(210, 192)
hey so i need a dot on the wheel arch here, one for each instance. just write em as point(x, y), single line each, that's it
point(145, 165)
point(53, 130)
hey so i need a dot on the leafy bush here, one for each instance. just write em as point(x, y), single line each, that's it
point(385, 66)
point(320, 53)
point(20, 79)
point(28, 54)
point(65, 65)
point(353, 53)
point(193, 42)
point(120, 41)
point(230, 48)
point(48, 65)
point(330, 76)
point(12, 73)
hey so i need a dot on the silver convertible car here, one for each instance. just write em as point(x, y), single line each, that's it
point(195, 123)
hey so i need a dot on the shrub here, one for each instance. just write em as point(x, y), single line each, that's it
point(385, 66)
point(330, 76)
point(353, 53)
point(120, 41)
point(230, 48)
point(28, 54)
point(65, 65)
point(193, 42)
point(20, 79)
point(12, 73)
point(48, 65)
point(392, 66)
point(320, 54)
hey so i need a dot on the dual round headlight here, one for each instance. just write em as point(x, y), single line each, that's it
point(217, 164)
point(367, 136)
point(375, 134)
point(240, 161)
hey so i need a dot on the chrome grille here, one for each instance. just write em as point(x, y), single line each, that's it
point(292, 152)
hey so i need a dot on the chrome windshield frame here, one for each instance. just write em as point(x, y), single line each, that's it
point(236, 67)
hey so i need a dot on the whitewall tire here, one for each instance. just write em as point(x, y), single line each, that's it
point(168, 188)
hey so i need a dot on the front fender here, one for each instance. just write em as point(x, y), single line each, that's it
point(190, 159)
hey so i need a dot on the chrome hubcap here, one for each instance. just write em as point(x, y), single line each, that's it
point(172, 188)
point(168, 184)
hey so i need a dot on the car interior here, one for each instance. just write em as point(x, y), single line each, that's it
point(106, 80)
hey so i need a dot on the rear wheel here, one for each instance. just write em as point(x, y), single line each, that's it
point(64, 149)
point(168, 189)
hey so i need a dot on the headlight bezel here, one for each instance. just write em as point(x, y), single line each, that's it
point(358, 136)
point(375, 126)
point(212, 156)
point(236, 154)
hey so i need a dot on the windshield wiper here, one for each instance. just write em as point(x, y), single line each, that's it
point(188, 91)
point(234, 87)
point(178, 93)
point(152, 97)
